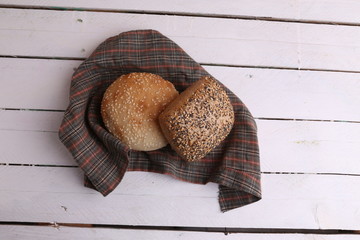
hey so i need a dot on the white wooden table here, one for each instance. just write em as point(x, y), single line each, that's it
point(294, 63)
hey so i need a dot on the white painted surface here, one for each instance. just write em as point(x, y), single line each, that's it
point(316, 10)
point(60, 233)
point(33, 121)
point(48, 80)
point(289, 201)
point(234, 42)
point(330, 200)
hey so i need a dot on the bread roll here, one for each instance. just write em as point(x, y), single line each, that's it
point(130, 108)
point(198, 120)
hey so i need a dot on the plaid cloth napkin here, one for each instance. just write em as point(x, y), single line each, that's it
point(234, 164)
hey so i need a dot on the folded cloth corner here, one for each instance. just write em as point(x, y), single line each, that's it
point(234, 164)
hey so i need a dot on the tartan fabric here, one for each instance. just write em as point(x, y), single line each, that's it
point(234, 164)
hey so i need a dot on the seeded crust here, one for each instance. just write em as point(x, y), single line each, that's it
point(130, 108)
point(198, 120)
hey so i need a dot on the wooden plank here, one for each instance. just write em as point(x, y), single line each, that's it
point(294, 94)
point(289, 201)
point(35, 83)
point(345, 11)
point(60, 233)
point(285, 146)
point(26, 147)
point(27, 120)
point(254, 43)
point(307, 94)
point(312, 147)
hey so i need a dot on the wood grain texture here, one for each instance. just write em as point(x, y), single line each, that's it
point(289, 201)
point(268, 93)
point(60, 233)
point(343, 11)
point(254, 43)
point(285, 146)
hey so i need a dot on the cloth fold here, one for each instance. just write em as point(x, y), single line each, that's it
point(234, 164)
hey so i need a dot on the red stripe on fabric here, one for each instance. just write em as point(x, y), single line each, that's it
point(172, 66)
point(245, 174)
point(82, 91)
point(243, 160)
point(115, 182)
point(79, 141)
point(245, 123)
point(165, 173)
point(82, 72)
point(112, 186)
point(144, 170)
point(241, 140)
point(88, 159)
point(207, 160)
point(70, 121)
point(164, 66)
point(92, 115)
point(157, 152)
point(112, 38)
point(236, 198)
point(137, 50)
point(237, 104)
point(138, 32)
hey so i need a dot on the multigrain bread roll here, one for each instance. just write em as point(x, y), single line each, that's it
point(198, 120)
point(130, 108)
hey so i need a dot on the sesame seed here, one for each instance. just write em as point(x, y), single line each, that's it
point(201, 122)
point(131, 104)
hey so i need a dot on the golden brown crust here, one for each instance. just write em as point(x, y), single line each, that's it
point(130, 109)
point(198, 120)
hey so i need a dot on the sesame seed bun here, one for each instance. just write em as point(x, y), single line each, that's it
point(130, 108)
point(198, 119)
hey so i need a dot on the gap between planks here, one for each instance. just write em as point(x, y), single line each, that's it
point(183, 14)
point(256, 118)
point(268, 173)
point(203, 64)
point(224, 230)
